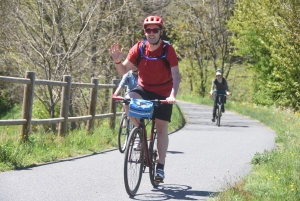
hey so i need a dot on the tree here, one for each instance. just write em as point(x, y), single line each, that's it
point(267, 33)
point(56, 38)
point(203, 37)
point(7, 92)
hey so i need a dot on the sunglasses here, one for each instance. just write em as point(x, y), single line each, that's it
point(155, 30)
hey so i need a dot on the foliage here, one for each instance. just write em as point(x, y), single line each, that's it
point(5, 105)
point(239, 81)
point(268, 34)
point(11, 112)
point(40, 111)
point(201, 39)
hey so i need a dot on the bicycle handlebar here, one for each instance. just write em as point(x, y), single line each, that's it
point(127, 100)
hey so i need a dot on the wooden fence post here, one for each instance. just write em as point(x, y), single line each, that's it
point(64, 106)
point(113, 105)
point(27, 105)
point(93, 104)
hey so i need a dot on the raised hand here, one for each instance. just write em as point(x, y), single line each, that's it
point(116, 52)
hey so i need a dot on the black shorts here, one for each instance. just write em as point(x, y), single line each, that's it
point(164, 111)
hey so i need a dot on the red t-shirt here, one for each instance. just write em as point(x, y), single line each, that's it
point(152, 73)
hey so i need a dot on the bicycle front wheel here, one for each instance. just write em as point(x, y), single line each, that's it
point(153, 158)
point(133, 163)
point(123, 133)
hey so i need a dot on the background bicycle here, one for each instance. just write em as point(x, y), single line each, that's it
point(220, 108)
point(125, 128)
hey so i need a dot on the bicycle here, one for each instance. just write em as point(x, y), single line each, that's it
point(136, 161)
point(219, 105)
point(124, 132)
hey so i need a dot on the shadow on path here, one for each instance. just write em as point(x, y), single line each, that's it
point(175, 192)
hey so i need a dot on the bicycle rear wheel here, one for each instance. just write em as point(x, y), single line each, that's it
point(123, 133)
point(153, 157)
point(219, 116)
point(133, 163)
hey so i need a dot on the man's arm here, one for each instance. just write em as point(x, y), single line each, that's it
point(117, 90)
point(227, 89)
point(176, 81)
point(124, 67)
point(212, 88)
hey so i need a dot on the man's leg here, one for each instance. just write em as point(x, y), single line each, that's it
point(214, 111)
point(162, 139)
point(162, 146)
point(223, 105)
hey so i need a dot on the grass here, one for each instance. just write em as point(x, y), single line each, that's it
point(48, 147)
point(275, 175)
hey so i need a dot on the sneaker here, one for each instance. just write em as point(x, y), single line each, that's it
point(137, 144)
point(213, 120)
point(223, 109)
point(160, 175)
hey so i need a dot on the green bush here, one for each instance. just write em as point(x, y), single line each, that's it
point(39, 111)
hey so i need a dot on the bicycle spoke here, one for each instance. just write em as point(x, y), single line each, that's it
point(133, 164)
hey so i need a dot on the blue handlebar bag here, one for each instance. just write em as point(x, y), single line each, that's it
point(140, 108)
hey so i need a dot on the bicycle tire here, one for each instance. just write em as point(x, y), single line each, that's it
point(123, 133)
point(219, 115)
point(153, 157)
point(133, 163)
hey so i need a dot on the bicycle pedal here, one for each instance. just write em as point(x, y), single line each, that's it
point(159, 181)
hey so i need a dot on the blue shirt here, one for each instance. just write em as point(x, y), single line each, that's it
point(130, 80)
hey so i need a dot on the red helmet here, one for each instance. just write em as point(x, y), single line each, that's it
point(153, 20)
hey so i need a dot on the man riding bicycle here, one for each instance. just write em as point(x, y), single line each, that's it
point(219, 86)
point(156, 80)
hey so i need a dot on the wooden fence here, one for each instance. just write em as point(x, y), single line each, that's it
point(29, 83)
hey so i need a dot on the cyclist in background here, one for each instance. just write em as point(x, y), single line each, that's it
point(156, 80)
point(219, 86)
point(129, 79)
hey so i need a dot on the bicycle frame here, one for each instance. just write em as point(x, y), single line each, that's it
point(218, 105)
point(147, 152)
point(220, 97)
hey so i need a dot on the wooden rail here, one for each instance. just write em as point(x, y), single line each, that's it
point(29, 81)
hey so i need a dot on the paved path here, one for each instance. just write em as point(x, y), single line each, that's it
point(202, 159)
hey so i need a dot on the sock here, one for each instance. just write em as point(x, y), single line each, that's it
point(160, 166)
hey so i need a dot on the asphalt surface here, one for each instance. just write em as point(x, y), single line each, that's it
point(202, 159)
